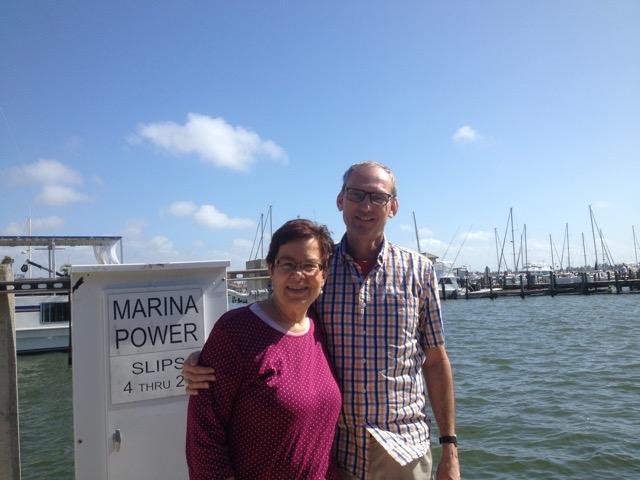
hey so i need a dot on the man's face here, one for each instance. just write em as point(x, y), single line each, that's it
point(366, 219)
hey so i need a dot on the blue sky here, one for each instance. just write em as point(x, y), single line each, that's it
point(178, 124)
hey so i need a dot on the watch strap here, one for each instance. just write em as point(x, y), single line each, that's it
point(449, 439)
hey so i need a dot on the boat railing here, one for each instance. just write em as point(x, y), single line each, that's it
point(245, 286)
point(36, 286)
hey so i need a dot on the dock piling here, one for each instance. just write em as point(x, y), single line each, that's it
point(9, 431)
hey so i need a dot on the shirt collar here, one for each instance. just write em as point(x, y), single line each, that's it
point(341, 251)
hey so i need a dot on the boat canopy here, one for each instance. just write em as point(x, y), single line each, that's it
point(104, 248)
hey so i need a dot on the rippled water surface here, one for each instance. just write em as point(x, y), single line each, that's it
point(547, 388)
point(46, 416)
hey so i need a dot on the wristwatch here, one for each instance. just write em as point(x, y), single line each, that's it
point(449, 439)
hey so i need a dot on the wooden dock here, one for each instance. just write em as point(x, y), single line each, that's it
point(587, 286)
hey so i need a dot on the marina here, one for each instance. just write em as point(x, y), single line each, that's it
point(583, 284)
point(175, 126)
point(526, 409)
point(245, 286)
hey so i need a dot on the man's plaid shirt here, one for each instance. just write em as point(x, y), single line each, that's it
point(376, 330)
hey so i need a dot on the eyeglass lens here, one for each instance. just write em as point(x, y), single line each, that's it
point(377, 198)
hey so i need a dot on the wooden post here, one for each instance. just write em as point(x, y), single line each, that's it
point(521, 287)
point(9, 432)
point(466, 287)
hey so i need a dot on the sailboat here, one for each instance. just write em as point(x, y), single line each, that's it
point(448, 287)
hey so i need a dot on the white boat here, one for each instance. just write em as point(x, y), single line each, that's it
point(42, 323)
point(42, 313)
point(447, 280)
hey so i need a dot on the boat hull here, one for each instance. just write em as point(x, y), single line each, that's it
point(42, 323)
point(42, 339)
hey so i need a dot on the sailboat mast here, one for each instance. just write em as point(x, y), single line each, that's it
point(593, 232)
point(513, 241)
point(262, 235)
point(635, 243)
point(29, 249)
point(584, 251)
point(495, 233)
point(526, 249)
point(568, 254)
point(415, 226)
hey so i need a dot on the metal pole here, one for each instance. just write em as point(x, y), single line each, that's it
point(593, 232)
point(513, 242)
point(568, 250)
point(9, 427)
point(635, 243)
point(415, 226)
point(526, 248)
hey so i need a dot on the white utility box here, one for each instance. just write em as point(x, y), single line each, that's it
point(132, 327)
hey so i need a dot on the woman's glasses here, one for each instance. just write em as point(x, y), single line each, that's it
point(308, 268)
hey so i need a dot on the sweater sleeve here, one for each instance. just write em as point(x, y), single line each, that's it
point(209, 413)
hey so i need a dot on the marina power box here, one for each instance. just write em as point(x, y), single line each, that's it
point(132, 327)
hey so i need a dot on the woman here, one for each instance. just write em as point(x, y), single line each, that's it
point(273, 412)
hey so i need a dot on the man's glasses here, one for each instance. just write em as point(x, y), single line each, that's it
point(356, 195)
point(308, 268)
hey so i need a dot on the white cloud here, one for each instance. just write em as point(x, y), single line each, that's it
point(208, 216)
point(139, 248)
point(58, 182)
point(480, 236)
point(44, 172)
point(213, 140)
point(466, 134)
point(162, 245)
point(410, 228)
point(134, 230)
point(59, 196)
point(183, 209)
point(39, 226)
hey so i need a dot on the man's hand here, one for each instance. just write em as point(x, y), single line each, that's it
point(449, 466)
point(195, 376)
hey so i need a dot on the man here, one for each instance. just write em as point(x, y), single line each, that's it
point(381, 314)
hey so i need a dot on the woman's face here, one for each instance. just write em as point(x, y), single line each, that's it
point(297, 286)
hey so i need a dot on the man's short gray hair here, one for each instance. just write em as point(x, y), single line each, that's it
point(370, 164)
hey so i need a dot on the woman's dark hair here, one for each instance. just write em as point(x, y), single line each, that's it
point(300, 229)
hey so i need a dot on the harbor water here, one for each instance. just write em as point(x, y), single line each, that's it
point(547, 388)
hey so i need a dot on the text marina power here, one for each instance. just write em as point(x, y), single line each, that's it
point(162, 308)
